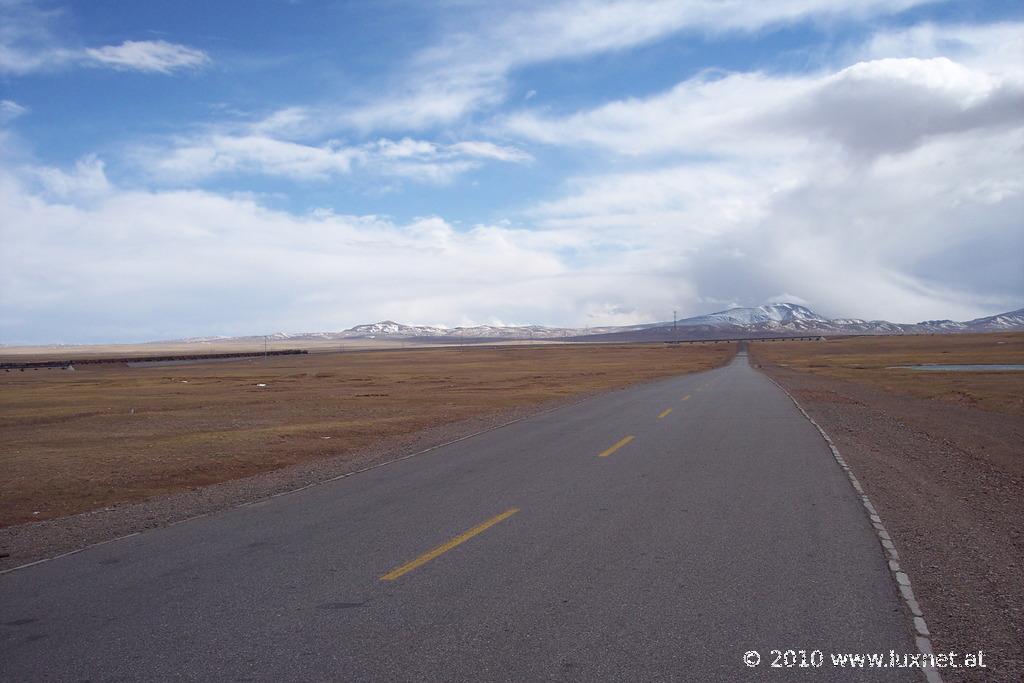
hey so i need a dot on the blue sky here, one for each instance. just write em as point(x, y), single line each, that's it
point(194, 168)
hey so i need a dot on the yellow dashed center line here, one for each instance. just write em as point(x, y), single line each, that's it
point(664, 413)
point(619, 444)
point(442, 549)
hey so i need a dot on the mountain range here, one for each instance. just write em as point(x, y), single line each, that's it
point(771, 320)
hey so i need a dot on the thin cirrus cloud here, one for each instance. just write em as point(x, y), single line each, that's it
point(10, 110)
point(152, 56)
point(29, 44)
point(996, 47)
point(157, 56)
point(194, 159)
point(469, 69)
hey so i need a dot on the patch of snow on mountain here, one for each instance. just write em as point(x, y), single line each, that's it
point(762, 315)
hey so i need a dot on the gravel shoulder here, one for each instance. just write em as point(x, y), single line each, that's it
point(948, 482)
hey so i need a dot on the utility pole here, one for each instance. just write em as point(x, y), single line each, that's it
point(265, 345)
point(675, 335)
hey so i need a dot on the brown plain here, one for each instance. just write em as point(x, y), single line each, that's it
point(20, 354)
point(104, 434)
point(870, 360)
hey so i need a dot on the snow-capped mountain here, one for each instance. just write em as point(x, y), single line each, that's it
point(786, 319)
point(781, 314)
point(1014, 320)
point(389, 328)
point(771, 320)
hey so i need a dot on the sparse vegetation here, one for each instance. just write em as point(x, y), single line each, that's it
point(870, 360)
point(75, 441)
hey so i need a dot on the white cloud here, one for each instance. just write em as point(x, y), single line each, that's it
point(868, 108)
point(217, 154)
point(87, 179)
point(995, 48)
point(901, 238)
point(912, 237)
point(489, 150)
point(204, 156)
point(873, 191)
point(158, 254)
point(892, 105)
point(417, 107)
point(887, 186)
point(10, 110)
point(29, 44)
point(148, 55)
point(26, 42)
point(658, 205)
point(787, 299)
point(286, 122)
point(704, 113)
point(468, 69)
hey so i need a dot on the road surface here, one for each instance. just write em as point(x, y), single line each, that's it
point(653, 533)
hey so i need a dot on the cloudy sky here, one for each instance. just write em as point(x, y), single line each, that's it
point(186, 168)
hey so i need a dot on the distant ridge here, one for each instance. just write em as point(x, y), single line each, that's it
point(771, 320)
point(786, 319)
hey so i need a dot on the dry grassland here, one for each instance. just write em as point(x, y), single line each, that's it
point(22, 354)
point(868, 360)
point(84, 439)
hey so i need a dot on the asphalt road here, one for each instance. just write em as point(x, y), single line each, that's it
point(724, 525)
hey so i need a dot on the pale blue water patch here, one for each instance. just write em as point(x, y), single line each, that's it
point(959, 368)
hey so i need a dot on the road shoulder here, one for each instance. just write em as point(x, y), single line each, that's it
point(947, 481)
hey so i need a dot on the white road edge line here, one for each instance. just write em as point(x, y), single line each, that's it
point(919, 628)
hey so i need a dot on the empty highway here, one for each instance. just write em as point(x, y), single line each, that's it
point(653, 533)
